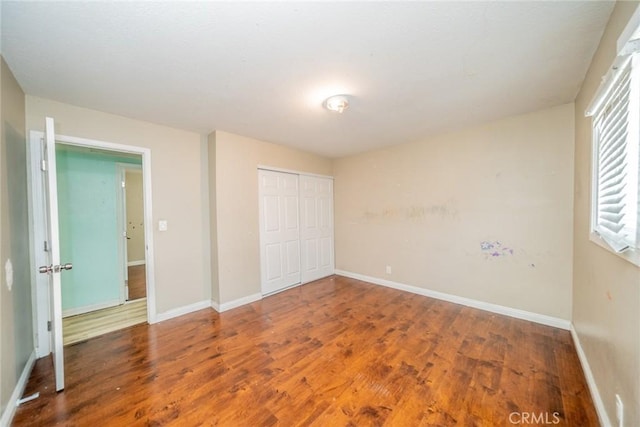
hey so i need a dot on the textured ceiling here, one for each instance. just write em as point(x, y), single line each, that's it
point(413, 69)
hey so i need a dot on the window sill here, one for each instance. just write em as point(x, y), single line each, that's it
point(631, 255)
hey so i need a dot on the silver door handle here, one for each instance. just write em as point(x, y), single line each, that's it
point(67, 266)
point(46, 269)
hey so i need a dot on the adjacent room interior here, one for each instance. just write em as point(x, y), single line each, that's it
point(296, 213)
point(101, 219)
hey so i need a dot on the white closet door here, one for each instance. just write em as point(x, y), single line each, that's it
point(316, 227)
point(279, 230)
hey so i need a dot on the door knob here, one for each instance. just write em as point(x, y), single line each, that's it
point(45, 269)
point(67, 266)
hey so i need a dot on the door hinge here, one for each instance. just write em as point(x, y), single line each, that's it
point(124, 185)
point(43, 165)
point(46, 246)
point(49, 325)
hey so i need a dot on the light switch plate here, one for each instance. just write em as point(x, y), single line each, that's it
point(162, 225)
point(8, 274)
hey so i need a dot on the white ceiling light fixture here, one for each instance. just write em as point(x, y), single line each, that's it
point(337, 103)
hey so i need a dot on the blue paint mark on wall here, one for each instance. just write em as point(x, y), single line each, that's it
point(495, 249)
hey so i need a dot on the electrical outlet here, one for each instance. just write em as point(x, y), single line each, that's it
point(619, 410)
point(388, 269)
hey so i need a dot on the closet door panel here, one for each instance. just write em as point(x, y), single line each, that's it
point(279, 230)
point(316, 227)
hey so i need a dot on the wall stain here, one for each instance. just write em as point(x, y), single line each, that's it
point(446, 211)
point(416, 213)
point(495, 249)
point(413, 213)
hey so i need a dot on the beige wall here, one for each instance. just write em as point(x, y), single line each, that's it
point(135, 215)
point(16, 342)
point(236, 182)
point(431, 209)
point(606, 288)
point(176, 189)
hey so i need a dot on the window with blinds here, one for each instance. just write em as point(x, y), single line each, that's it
point(616, 138)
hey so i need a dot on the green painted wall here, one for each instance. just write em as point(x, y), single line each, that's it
point(88, 207)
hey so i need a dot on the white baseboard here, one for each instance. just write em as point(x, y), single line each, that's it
point(225, 306)
point(494, 308)
point(180, 311)
point(89, 308)
point(132, 263)
point(591, 382)
point(10, 410)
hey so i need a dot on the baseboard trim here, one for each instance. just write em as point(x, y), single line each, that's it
point(225, 306)
point(89, 308)
point(181, 311)
point(10, 410)
point(591, 382)
point(134, 263)
point(494, 308)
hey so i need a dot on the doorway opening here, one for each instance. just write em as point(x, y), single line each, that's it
point(93, 219)
point(95, 228)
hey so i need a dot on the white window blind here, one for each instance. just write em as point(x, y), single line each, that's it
point(616, 131)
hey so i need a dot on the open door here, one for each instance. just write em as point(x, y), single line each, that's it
point(54, 268)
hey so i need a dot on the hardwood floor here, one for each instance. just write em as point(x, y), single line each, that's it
point(137, 277)
point(336, 352)
point(99, 322)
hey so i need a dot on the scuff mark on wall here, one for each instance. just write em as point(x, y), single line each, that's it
point(390, 213)
point(413, 213)
point(495, 249)
point(445, 211)
point(416, 213)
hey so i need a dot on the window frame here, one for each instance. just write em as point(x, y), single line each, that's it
point(631, 254)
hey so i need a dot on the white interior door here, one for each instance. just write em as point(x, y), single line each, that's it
point(279, 230)
point(316, 227)
point(54, 268)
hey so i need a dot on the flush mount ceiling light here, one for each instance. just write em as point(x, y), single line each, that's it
point(337, 103)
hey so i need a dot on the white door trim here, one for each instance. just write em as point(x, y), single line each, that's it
point(36, 212)
point(37, 236)
point(295, 172)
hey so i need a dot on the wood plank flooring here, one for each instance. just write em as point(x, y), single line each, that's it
point(336, 352)
point(137, 276)
point(99, 322)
